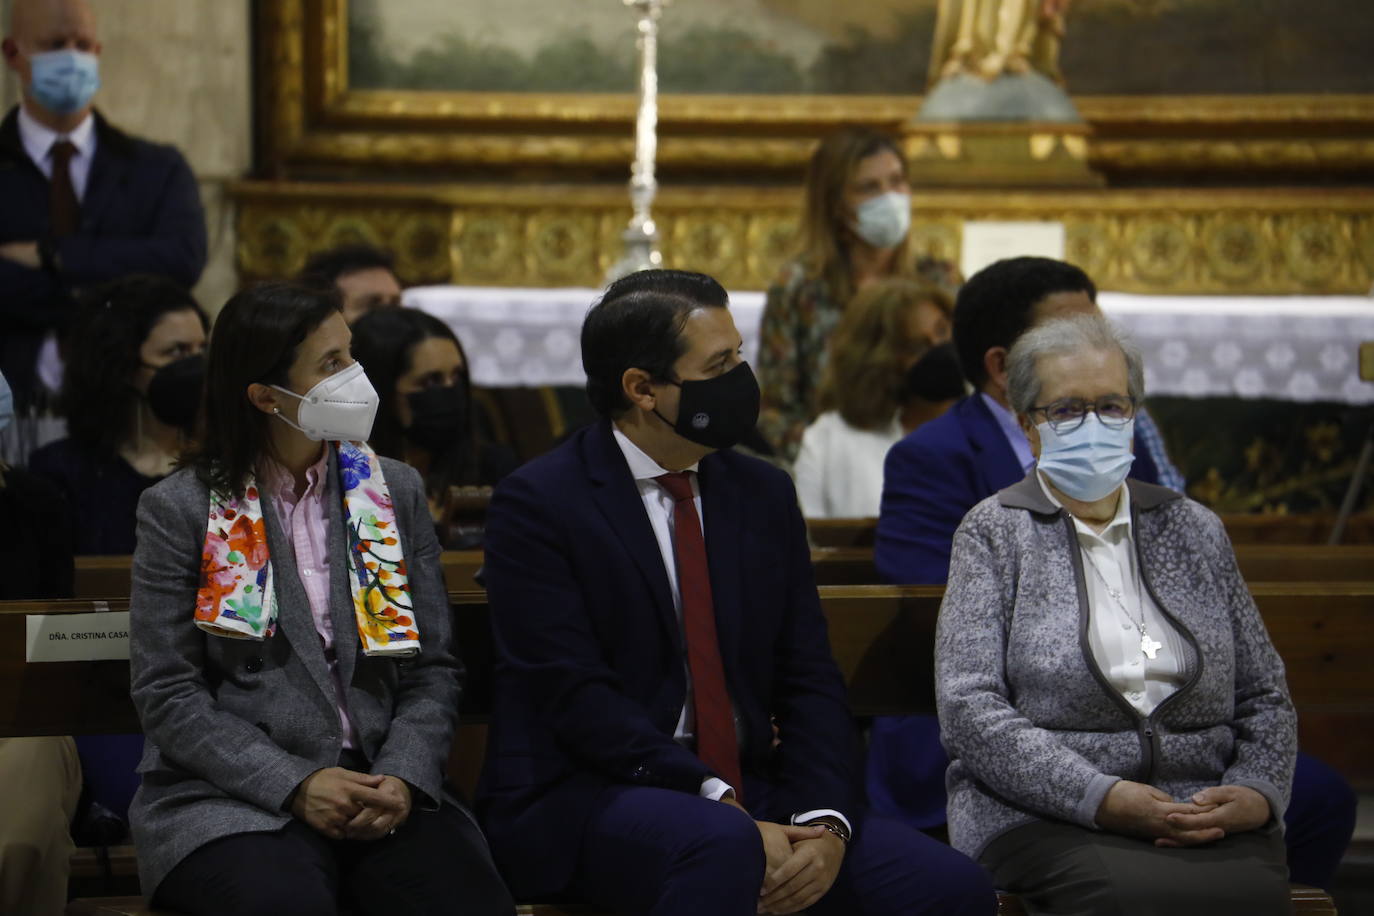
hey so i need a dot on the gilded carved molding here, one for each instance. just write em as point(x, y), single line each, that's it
point(1219, 242)
point(314, 121)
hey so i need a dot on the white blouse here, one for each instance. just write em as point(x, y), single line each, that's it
point(1117, 599)
point(839, 469)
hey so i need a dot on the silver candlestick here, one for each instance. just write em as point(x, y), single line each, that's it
point(641, 235)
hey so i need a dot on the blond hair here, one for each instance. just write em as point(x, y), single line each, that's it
point(824, 253)
point(872, 347)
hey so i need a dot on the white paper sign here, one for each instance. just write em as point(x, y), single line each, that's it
point(76, 637)
point(989, 241)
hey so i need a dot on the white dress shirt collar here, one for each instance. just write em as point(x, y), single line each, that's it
point(1011, 429)
point(642, 467)
point(38, 139)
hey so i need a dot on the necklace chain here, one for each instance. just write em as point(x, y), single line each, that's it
point(1147, 645)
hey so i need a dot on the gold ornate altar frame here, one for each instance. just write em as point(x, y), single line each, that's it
point(313, 120)
point(527, 189)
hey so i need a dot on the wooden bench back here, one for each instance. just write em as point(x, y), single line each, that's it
point(108, 576)
point(882, 638)
point(1243, 528)
point(1258, 563)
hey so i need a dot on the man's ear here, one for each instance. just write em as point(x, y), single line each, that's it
point(995, 365)
point(11, 52)
point(1032, 434)
point(264, 397)
point(638, 389)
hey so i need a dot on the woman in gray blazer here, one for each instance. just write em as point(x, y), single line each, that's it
point(290, 648)
point(1120, 732)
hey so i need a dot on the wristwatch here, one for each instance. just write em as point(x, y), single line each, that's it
point(833, 824)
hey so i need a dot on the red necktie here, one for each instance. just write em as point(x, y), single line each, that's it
point(717, 745)
point(63, 209)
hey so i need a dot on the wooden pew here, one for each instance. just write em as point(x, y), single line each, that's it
point(1243, 528)
point(881, 637)
point(1305, 562)
point(844, 566)
point(110, 577)
point(1258, 563)
point(841, 532)
point(1313, 528)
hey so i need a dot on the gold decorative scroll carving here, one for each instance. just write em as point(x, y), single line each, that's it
point(1147, 241)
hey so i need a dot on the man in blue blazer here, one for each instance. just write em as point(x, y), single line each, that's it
point(83, 202)
point(946, 467)
point(670, 732)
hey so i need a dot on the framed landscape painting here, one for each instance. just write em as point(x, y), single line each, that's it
point(749, 84)
point(873, 47)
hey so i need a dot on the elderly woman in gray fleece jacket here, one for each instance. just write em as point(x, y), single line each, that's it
point(1120, 732)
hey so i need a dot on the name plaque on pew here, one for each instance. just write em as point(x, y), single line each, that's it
point(76, 637)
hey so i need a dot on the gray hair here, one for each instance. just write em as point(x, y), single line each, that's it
point(1062, 337)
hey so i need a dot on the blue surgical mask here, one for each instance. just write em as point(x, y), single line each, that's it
point(64, 82)
point(6, 403)
point(883, 221)
point(1089, 462)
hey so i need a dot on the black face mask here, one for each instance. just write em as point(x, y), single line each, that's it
point(936, 376)
point(438, 417)
point(717, 412)
point(175, 389)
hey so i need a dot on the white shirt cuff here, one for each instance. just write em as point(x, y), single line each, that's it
point(805, 816)
point(715, 789)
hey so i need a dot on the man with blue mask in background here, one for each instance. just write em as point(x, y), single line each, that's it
point(83, 202)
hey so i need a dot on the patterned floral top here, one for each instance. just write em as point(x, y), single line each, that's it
point(799, 317)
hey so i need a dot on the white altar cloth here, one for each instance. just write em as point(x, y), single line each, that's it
point(1294, 348)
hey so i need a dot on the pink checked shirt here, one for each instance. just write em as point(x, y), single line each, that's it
point(304, 522)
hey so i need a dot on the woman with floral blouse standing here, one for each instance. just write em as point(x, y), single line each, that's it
point(854, 230)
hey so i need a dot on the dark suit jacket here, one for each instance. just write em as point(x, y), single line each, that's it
point(141, 213)
point(39, 564)
point(234, 725)
point(934, 476)
point(589, 674)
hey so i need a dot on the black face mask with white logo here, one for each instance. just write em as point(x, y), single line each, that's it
point(936, 376)
point(717, 412)
point(175, 389)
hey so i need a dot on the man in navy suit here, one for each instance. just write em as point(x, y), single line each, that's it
point(83, 202)
point(670, 732)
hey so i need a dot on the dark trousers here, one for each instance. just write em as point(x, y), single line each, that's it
point(906, 780)
point(667, 853)
point(1067, 870)
point(436, 863)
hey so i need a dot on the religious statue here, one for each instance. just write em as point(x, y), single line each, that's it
point(987, 38)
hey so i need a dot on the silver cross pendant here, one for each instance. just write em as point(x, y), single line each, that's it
point(1149, 646)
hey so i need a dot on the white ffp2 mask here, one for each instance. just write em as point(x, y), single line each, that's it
point(883, 221)
point(340, 407)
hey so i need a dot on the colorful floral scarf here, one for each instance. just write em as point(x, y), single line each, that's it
point(236, 596)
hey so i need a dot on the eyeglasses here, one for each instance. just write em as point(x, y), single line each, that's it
point(1067, 414)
